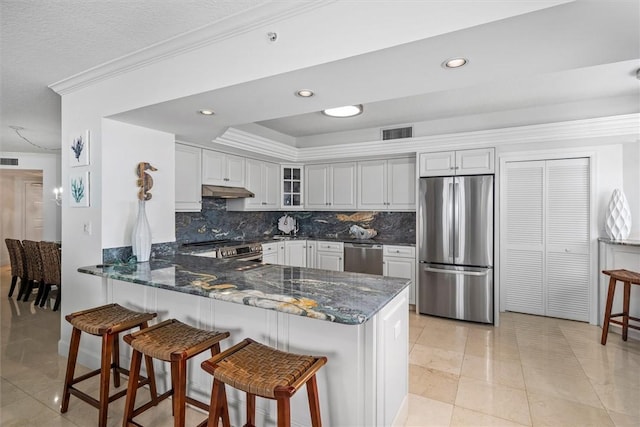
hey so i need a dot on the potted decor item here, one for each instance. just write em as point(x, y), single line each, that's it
point(618, 217)
point(141, 234)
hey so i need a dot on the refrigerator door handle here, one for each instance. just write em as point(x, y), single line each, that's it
point(464, 273)
point(451, 219)
point(456, 220)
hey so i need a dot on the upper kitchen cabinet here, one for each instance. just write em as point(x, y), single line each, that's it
point(222, 169)
point(331, 186)
point(462, 162)
point(188, 178)
point(387, 184)
point(263, 180)
point(292, 197)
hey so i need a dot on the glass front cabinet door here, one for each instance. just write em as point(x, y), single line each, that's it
point(292, 185)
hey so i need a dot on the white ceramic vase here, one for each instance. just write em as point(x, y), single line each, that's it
point(141, 235)
point(618, 217)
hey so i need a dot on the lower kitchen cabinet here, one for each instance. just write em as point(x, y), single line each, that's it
point(273, 253)
point(311, 253)
point(295, 253)
point(400, 261)
point(329, 256)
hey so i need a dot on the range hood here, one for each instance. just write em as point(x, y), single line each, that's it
point(220, 192)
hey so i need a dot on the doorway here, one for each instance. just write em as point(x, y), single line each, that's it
point(21, 212)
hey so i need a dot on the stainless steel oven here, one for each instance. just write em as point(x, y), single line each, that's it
point(228, 249)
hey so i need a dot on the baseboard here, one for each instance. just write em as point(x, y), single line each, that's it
point(617, 329)
point(403, 413)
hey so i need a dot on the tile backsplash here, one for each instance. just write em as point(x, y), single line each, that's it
point(215, 222)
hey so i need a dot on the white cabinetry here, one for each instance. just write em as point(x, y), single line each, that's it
point(329, 255)
point(463, 162)
point(273, 253)
point(400, 261)
point(331, 186)
point(290, 252)
point(188, 178)
point(222, 169)
point(311, 253)
point(263, 180)
point(292, 196)
point(387, 184)
point(295, 253)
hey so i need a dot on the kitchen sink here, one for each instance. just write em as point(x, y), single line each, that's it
point(282, 237)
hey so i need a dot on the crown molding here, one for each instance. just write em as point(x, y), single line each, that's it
point(623, 125)
point(245, 141)
point(264, 14)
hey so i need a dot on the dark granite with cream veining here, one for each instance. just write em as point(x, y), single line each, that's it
point(215, 223)
point(625, 242)
point(124, 254)
point(348, 298)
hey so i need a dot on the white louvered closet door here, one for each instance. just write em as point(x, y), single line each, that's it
point(522, 249)
point(567, 231)
point(545, 254)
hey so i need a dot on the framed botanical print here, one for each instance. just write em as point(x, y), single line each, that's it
point(79, 150)
point(79, 189)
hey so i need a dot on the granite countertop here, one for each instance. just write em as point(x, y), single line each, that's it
point(341, 297)
point(626, 242)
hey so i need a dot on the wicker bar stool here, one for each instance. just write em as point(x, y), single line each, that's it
point(171, 341)
point(259, 370)
point(106, 321)
point(628, 278)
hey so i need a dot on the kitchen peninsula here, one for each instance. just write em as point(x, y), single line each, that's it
point(359, 321)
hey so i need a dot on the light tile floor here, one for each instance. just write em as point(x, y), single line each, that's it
point(529, 371)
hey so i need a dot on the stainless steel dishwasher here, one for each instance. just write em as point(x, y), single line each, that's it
point(363, 258)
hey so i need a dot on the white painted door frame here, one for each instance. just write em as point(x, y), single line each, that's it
point(564, 153)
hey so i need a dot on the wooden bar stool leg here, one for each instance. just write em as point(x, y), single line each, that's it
point(179, 392)
point(107, 351)
point(71, 367)
point(284, 412)
point(625, 309)
point(132, 388)
point(116, 361)
point(314, 403)
point(148, 361)
point(223, 407)
point(607, 310)
point(251, 410)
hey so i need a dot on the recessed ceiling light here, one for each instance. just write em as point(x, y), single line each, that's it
point(304, 93)
point(454, 62)
point(206, 112)
point(346, 111)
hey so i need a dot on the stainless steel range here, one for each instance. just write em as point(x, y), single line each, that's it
point(228, 249)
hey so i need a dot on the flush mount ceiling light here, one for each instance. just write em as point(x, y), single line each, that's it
point(304, 93)
point(346, 111)
point(454, 62)
point(206, 112)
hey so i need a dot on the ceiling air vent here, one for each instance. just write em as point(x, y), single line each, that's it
point(397, 133)
point(8, 162)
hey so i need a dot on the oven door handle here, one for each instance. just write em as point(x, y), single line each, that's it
point(253, 257)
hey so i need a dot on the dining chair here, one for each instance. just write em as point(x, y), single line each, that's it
point(34, 268)
point(16, 258)
point(50, 255)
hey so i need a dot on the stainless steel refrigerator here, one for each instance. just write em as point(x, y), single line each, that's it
point(455, 246)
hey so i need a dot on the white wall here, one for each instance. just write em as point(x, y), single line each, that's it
point(127, 146)
point(631, 183)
